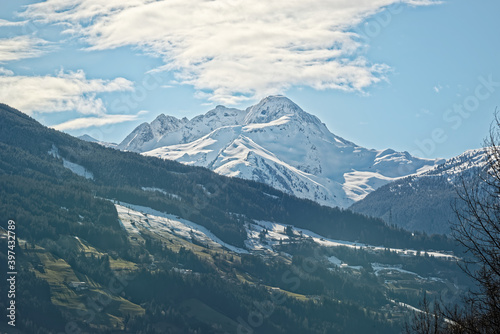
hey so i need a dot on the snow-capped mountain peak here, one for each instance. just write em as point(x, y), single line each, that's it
point(164, 124)
point(136, 139)
point(169, 130)
point(215, 118)
point(460, 165)
point(271, 109)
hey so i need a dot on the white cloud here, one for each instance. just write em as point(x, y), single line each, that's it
point(423, 2)
point(21, 47)
point(87, 122)
point(5, 71)
point(5, 23)
point(62, 92)
point(234, 50)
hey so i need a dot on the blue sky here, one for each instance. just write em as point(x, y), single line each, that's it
point(418, 75)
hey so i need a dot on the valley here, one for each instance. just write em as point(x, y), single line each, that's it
point(113, 240)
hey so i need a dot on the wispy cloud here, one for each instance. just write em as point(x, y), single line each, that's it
point(87, 122)
point(21, 47)
point(5, 71)
point(234, 50)
point(423, 2)
point(62, 92)
point(5, 23)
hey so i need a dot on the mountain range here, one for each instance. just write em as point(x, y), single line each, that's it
point(425, 202)
point(277, 143)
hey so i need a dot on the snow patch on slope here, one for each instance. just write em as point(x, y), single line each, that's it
point(379, 267)
point(133, 218)
point(75, 168)
point(169, 195)
point(276, 233)
point(159, 222)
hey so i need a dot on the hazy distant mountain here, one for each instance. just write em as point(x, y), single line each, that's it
point(423, 202)
point(91, 139)
point(277, 143)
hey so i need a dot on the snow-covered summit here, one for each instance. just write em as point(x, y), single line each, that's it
point(273, 108)
point(165, 124)
point(169, 130)
point(457, 167)
point(278, 143)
